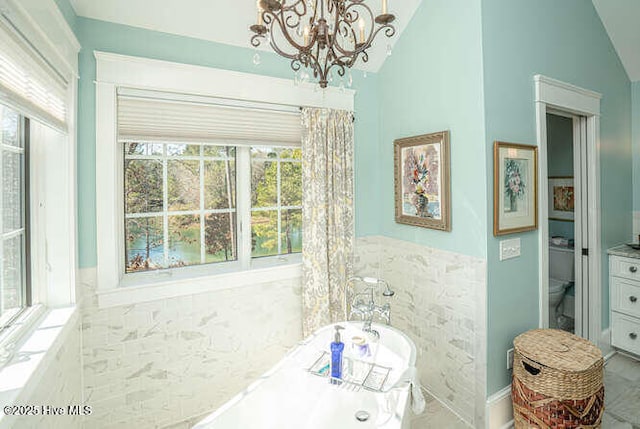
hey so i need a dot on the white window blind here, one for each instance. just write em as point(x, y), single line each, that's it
point(28, 83)
point(162, 117)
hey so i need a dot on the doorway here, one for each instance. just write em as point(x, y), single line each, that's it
point(567, 187)
point(567, 104)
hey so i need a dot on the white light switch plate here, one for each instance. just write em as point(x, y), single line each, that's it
point(509, 249)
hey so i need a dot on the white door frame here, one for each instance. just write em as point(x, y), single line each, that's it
point(551, 94)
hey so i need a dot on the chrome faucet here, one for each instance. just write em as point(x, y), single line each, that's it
point(365, 311)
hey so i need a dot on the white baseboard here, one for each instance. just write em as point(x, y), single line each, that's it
point(500, 410)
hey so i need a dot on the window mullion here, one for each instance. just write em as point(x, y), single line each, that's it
point(278, 204)
point(165, 208)
point(202, 220)
point(26, 213)
point(243, 199)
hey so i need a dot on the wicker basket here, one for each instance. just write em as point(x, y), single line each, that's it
point(557, 381)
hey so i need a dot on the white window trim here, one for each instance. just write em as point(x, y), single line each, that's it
point(53, 282)
point(114, 71)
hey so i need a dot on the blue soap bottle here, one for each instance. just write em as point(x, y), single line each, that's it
point(337, 347)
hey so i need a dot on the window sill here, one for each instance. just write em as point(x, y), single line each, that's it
point(163, 285)
point(32, 350)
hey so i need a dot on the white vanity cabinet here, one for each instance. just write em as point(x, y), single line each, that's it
point(624, 289)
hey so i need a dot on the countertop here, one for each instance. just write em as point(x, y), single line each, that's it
point(624, 251)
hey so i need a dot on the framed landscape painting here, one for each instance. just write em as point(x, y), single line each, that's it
point(561, 198)
point(515, 188)
point(422, 186)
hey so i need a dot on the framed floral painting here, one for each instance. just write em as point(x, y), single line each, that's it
point(515, 188)
point(422, 186)
point(561, 198)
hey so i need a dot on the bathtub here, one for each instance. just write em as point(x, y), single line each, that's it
point(290, 397)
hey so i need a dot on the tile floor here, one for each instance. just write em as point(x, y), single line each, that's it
point(622, 385)
point(622, 393)
point(437, 416)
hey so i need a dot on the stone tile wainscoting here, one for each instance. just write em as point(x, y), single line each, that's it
point(440, 304)
point(56, 383)
point(168, 361)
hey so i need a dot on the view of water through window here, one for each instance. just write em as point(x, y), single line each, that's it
point(180, 204)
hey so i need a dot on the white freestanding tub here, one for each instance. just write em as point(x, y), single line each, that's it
point(290, 397)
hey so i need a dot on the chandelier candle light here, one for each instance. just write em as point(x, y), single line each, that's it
point(320, 34)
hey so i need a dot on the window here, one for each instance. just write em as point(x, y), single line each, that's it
point(181, 204)
point(276, 201)
point(15, 272)
point(151, 102)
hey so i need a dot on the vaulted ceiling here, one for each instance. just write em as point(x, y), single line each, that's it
point(227, 21)
point(223, 21)
point(621, 18)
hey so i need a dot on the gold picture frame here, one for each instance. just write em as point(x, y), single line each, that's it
point(515, 188)
point(561, 198)
point(422, 182)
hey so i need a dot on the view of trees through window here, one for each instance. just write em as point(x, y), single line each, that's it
point(276, 201)
point(13, 276)
point(181, 210)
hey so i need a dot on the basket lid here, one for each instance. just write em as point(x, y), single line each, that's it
point(558, 349)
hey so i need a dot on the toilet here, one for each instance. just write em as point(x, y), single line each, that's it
point(561, 274)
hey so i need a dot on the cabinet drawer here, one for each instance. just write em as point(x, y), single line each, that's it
point(625, 296)
point(625, 332)
point(629, 268)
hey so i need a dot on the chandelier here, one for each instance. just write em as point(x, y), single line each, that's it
point(320, 34)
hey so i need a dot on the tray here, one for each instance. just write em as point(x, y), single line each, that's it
point(360, 374)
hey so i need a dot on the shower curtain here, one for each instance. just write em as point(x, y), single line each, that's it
point(327, 215)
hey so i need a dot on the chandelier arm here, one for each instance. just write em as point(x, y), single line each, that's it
point(280, 20)
point(297, 15)
point(336, 25)
point(281, 52)
point(389, 31)
point(335, 61)
point(340, 66)
point(348, 60)
point(255, 40)
point(358, 47)
point(365, 56)
point(350, 18)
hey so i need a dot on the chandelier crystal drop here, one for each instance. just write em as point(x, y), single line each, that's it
point(322, 35)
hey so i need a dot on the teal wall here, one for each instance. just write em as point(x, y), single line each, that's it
point(433, 82)
point(560, 163)
point(635, 97)
point(121, 39)
point(68, 13)
point(462, 65)
point(564, 40)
